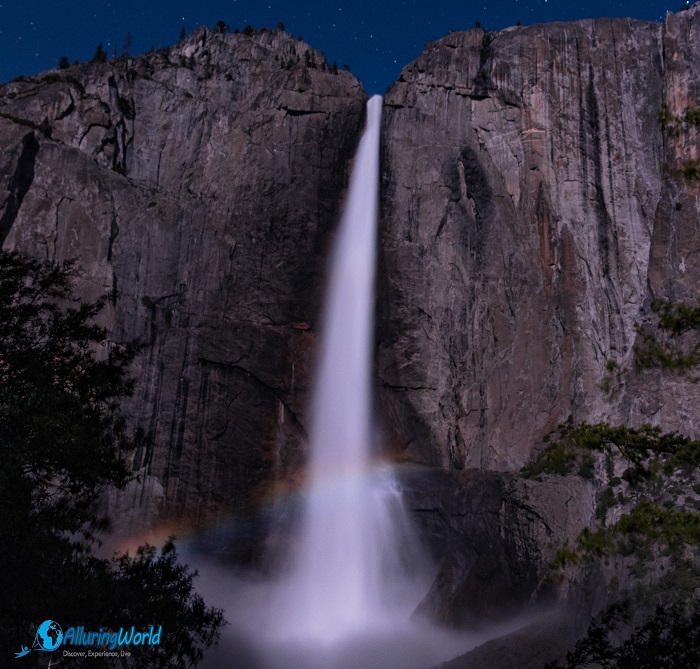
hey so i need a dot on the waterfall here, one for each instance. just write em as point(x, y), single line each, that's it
point(357, 570)
point(355, 550)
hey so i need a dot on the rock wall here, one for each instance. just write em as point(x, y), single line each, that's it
point(199, 186)
point(530, 216)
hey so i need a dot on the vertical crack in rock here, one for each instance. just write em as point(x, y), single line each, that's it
point(19, 184)
point(482, 81)
point(477, 190)
point(607, 234)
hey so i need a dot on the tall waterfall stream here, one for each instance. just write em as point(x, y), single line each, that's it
point(346, 597)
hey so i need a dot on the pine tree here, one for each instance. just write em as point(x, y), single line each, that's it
point(100, 55)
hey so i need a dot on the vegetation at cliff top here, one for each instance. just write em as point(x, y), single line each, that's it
point(100, 55)
point(62, 439)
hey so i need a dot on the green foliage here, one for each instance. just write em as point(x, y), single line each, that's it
point(676, 318)
point(674, 528)
point(556, 459)
point(668, 639)
point(688, 170)
point(651, 454)
point(157, 577)
point(614, 377)
point(596, 647)
point(677, 125)
point(62, 439)
point(586, 467)
point(692, 116)
point(636, 445)
point(594, 543)
point(650, 353)
point(664, 117)
point(565, 556)
point(606, 500)
point(60, 427)
point(100, 55)
point(666, 351)
point(645, 524)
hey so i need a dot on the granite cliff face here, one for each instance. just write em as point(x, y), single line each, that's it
point(199, 185)
point(533, 207)
point(530, 217)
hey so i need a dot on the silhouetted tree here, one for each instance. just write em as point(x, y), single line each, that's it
point(128, 40)
point(248, 30)
point(669, 638)
point(63, 439)
point(183, 33)
point(222, 27)
point(100, 55)
point(280, 26)
point(63, 63)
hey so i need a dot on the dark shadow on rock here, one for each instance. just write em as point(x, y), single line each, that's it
point(479, 533)
point(531, 647)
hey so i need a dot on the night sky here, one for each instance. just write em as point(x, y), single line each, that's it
point(376, 38)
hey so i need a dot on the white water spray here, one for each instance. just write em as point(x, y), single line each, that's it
point(355, 547)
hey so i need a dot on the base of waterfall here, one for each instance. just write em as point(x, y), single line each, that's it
point(259, 636)
point(253, 641)
point(261, 633)
point(411, 645)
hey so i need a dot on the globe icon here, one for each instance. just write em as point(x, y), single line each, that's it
point(48, 636)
